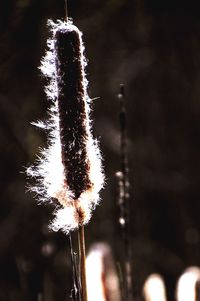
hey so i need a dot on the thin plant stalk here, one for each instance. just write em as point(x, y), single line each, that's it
point(66, 11)
point(76, 292)
point(82, 261)
point(124, 201)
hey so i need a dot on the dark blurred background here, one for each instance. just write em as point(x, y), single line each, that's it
point(151, 46)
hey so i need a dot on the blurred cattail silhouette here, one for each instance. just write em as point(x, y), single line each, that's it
point(102, 280)
point(69, 170)
point(188, 285)
point(154, 288)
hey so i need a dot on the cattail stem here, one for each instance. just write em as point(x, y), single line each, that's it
point(82, 259)
point(66, 11)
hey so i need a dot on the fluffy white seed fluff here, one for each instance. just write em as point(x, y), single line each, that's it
point(49, 170)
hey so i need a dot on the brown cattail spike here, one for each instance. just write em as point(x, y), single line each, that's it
point(72, 113)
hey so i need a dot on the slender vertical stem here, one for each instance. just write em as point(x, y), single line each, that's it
point(66, 11)
point(82, 261)
point(76, 287)
point(124, 199)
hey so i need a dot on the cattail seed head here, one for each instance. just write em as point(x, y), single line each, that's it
point(72, 110)
point(69, 170)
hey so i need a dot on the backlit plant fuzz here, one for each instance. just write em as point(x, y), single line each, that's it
point(69, 170)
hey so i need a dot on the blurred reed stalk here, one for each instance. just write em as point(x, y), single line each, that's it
point(102, 278)
point(154, 288)
point(187, 288)
point(124, 201)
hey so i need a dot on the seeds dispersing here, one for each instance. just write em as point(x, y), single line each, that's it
point(69, 169)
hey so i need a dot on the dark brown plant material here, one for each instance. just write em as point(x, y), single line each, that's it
point(69, 169)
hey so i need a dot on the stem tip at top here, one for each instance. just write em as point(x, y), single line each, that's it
point(66, 11)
